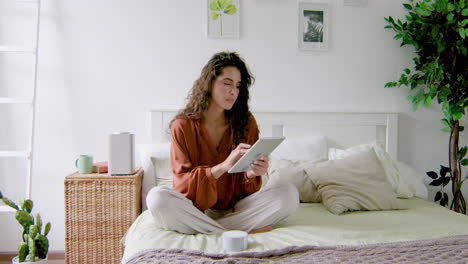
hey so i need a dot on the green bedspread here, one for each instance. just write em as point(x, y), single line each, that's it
point(313, 225)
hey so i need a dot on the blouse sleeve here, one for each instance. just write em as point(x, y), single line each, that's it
point(195, 182)
point(253, 184)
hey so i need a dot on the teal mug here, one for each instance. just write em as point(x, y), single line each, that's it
point(84, 164)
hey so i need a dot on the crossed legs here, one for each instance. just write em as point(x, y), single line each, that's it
point(172, 211)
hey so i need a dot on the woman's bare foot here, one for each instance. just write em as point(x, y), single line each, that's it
point(261, 230)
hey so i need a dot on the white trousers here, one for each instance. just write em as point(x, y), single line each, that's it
point(172, 211)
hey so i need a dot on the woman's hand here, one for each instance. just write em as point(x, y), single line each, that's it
point(235, 155)
point(218, 170)
point(258, 167)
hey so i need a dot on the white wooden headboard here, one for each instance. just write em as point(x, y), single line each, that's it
point(341, 129)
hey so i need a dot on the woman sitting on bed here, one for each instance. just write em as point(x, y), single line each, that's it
point(208, 136)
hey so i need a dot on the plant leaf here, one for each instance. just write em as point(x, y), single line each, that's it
point(462, 152)
point(27, 205)
point(444, 92)
point(47, 229)
point(450, 17)
point(224, 3)
point(446, 129)
point(465, 12)
point(429, 7)
point(32, 249)
point(464, 162)
point(432, 174)
point(436, 182)
point(422, 12)
point(438, 196)
point(214, 5)
point(214, 15)
point(39, 222)
point(230, 10)
point(440, 5)
point(464, 22)
point(24, 219)
point(442, 201)
point(408, 6)
point(428, 100)
point(10, 203)
point(446, 181)
point(42, 244)
point(33, 230)
point(445, 122)
point(443, 171)
point(23, 251)
point(450, 7)
point(457, 115)
point(461, 31)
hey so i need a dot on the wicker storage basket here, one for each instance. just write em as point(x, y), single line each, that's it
point(99, 209)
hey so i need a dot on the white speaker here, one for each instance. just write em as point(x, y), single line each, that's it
point(120, 152)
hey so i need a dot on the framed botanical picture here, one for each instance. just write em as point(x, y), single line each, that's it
point(223, 19)
point(313, 26)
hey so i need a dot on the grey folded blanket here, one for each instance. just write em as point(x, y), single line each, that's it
point(444, 250)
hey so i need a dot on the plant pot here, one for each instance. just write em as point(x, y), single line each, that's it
point(39, 261)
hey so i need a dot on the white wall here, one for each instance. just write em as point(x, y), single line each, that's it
point(104, 63)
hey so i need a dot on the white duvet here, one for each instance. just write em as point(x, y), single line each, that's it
point(312, 224)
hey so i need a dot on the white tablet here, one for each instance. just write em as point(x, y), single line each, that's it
point(263, 147)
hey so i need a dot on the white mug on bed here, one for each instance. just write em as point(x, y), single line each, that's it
point(235, 241)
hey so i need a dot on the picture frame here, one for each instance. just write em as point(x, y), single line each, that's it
point(313, 26)
point(223, 19)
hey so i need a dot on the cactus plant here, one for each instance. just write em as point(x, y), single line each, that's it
point(34, 244)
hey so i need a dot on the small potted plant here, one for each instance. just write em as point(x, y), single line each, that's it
point(35, 245)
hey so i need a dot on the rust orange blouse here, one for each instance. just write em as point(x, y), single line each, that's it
point(192, 156)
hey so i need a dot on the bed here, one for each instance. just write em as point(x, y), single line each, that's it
point(387, 221)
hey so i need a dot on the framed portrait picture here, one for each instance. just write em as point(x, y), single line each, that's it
point(313, 26)
point(223, 19)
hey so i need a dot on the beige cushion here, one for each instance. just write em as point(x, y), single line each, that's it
point(399, 184)
point(289, 171)
point(357, 182)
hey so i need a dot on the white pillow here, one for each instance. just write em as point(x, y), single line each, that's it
point(303, 148)
point(162, 172)
point(399, 184)
point(414, 179)
point(288, 171)
point(145, 152)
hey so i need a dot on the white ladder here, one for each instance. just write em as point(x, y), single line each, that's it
point(27, 101)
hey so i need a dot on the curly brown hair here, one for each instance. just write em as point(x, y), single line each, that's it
point(200, 94)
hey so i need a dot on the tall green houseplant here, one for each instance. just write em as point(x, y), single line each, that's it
point(438, 31)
